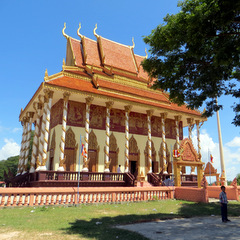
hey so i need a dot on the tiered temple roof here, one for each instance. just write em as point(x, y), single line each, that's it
point(108, 70)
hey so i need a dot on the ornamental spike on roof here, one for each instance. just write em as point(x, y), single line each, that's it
point(103, 52)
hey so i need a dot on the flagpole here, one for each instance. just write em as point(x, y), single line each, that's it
point(79, 157)
point(221, 148)
point(210, 168)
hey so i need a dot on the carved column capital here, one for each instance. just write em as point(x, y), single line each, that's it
point(66, 96)
point(50, 94)
point(89, 100)
point(190, 121)
point(30, 114)
point(109, 104)
point(178, 117)
point(164, 115)
point(150, 112)
point(128, 108)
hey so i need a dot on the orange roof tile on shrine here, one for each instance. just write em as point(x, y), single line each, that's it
point(85, 86)
point(76, 48)
point(117, 55)
point(142, 73)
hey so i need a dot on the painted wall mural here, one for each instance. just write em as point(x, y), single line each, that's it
point(137, 121)
point(56, 113)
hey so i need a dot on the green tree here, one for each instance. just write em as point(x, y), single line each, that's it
point(11, 164)
point(195, 54)
point(238, 179)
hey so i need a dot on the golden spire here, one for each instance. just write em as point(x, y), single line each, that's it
point(78, 31)
point(63, 32)
point(46, 75)
point(94, 31)
point(64, 62)
point(146, 54)
point(133, 46)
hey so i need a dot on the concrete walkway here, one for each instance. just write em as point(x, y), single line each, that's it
point(188, 228)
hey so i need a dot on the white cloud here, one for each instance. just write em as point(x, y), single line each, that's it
point(11, 148)
point(231, 152)
point(234, 143)
point(16, 130)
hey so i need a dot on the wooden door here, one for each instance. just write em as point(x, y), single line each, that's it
point(92, 154)
point(113, 164)
point(70, 162)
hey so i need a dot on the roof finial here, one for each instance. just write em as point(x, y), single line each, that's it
point(46, 75)
point(63, 31)
point(94, 31)
point(133, 46)
point(78, 31)
point(146, 53)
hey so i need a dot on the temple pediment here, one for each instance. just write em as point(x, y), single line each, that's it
point(188, 151)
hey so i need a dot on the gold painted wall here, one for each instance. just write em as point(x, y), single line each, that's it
point(101, 138)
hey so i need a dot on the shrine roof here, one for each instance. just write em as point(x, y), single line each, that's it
point(118, 91)
point(105, 53)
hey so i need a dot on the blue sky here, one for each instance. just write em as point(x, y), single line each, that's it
point(31, 41)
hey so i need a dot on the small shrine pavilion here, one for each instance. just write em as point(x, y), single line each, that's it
point(101, 104)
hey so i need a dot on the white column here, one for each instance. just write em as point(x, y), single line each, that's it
point(64, 126)
point(47, 127)
point(149, 115)
point(177, 119)
point(42, 132)
point(85, 157)
point(163, 118)
point(107, 161)
point(127, 111)
point(198, 124)
point(190, 127)
point(29, 131)
point(223, 175)
point(21, 155)
point(37, 107)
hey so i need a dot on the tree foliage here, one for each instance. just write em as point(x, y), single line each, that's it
point(195, 54)
point(238, 179)
point(8, 167)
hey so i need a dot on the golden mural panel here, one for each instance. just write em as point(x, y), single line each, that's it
point(97, 117)
point(138, 123)
point(56, 113)
point(117, 120)
point(76, 114)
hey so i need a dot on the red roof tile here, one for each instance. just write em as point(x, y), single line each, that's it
point(142, 73)
point(117, 55)
point(91, 50)
point(77, 52)
point(84, 86)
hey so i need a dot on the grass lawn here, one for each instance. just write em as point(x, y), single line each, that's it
point(96, 221)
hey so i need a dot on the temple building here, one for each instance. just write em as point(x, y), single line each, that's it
point(100, 112)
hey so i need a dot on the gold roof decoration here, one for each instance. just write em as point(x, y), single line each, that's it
point(78, 31)
point(63, 31)
point(146, 54)
point(46, 75)
point(133, 46)
point(94, 31)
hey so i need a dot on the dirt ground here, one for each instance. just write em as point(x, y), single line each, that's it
point(184, 228)
point(188, 228)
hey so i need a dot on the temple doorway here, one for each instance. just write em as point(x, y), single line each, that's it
point(113, 153)
point(134, 157)
point(70, 151)
point(52, 151)
point(93, 150)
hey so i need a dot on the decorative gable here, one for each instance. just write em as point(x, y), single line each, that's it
point(188, 151)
